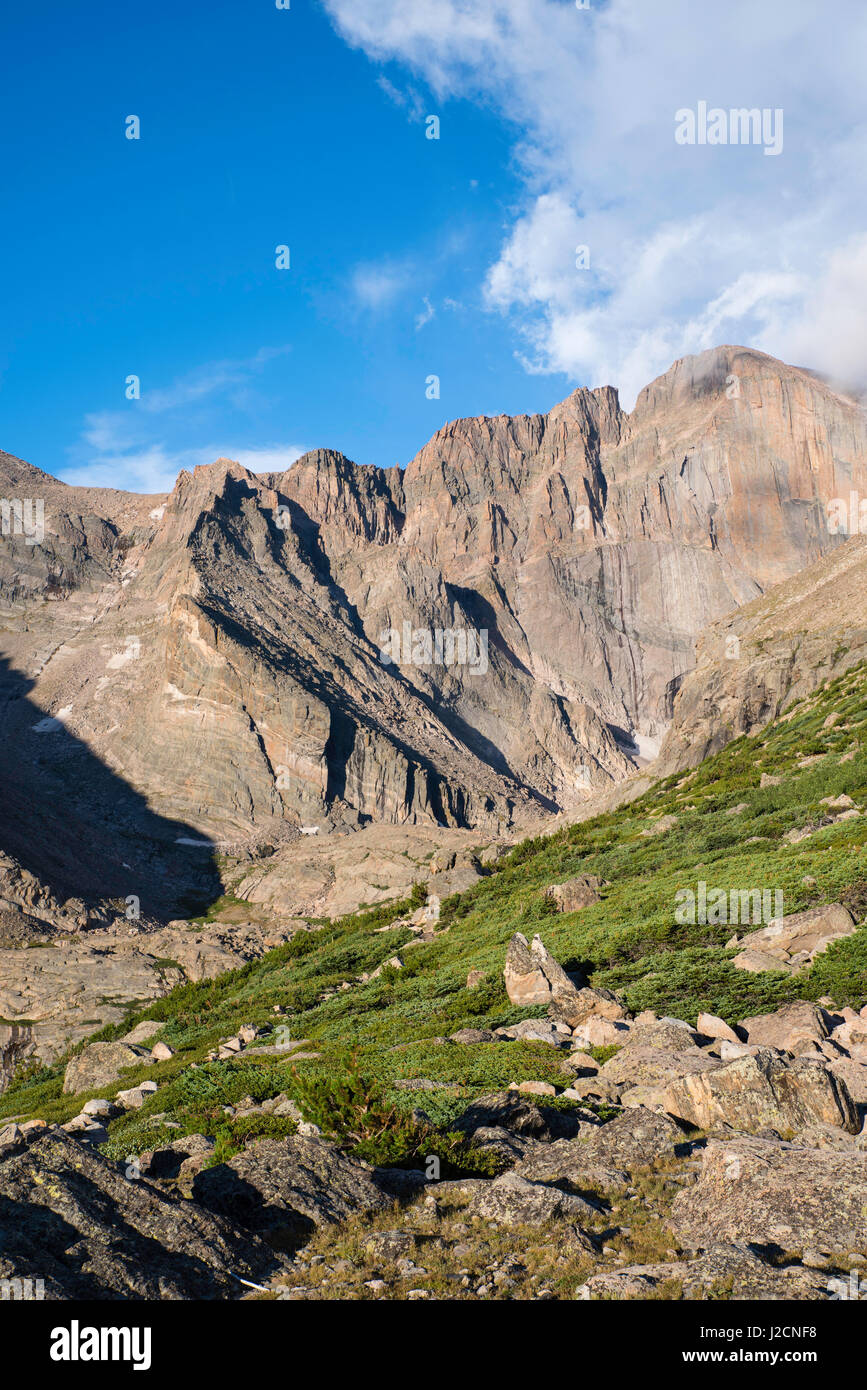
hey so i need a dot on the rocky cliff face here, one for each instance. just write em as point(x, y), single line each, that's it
point(501, 628)
point(754, 664)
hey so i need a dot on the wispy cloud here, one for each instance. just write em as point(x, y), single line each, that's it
point(144, 446)
point(409, 99)
point(427, 313)
point(378, 284)
point(226, 378)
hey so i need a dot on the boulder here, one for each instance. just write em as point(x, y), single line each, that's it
point(752, 1093)
point(143, 1032)
point(663, 1034)
point(532, 975)
point(580, 1005)
point(712, 1027)
point(575, 893)
point(284, 1188)
point(135, 1097)
point(786, 1027)
point(634, 1139)
point(612, 1151)
point(511, 1200)
point(756, 961)
point(791, 943)
point(101, 1063)
point(602, 1032)
point(468, 1036)
point(776, 1194)
point(507, 1110)
point(642, 1073)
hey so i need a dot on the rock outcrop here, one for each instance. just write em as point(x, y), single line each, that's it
point(797, 1198)
point(755, 1092)
point(752, 665)
point(284, 1188)
point(75, 1221)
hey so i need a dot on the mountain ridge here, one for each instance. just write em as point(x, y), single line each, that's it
point(221, 646)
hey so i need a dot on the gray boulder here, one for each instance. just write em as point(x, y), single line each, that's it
point(511, 1200)
point(776, 1194)
point(101, 1063)
point(284, 1188)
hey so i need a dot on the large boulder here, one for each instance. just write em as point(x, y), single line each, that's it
point(284, 1188)
point(509, 1111)
point(75, 1220)
point(580, 1005)
point(769, 1193)
point(511, 1200)
point(786, 1027)
point(635, 1139)
point(575, 893)
point(755, 1092)
point(101, 1063)
point(641, 1073)
point(531, 974)
point(791, 943)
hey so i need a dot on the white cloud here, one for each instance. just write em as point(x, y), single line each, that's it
point(427, 313)
point(228, 378)
point(409, 99)
point(128, 448)
point(377, 284)
point(155, 469)
point(689, 245)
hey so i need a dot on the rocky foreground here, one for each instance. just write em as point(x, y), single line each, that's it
point(697, 1162)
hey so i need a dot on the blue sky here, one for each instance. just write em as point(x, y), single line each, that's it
point(409, 256)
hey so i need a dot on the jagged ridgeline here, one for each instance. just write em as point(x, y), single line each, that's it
point(499, 630)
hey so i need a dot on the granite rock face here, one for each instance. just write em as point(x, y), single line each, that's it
point(760, 1091)
point(754, 664)
point(797, 1198)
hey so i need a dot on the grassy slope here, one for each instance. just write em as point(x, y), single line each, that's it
point(629, 941)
